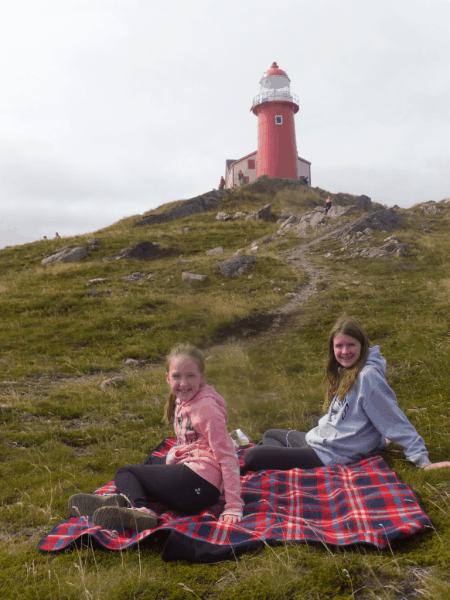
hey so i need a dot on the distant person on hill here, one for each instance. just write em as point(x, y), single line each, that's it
point(201, 464)
point(328, 205)
point(362, 413)
point(222, 183)
point(241, 177)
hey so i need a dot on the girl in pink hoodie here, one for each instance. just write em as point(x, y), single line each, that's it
point(202, 463)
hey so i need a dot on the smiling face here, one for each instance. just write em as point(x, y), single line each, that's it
point(184, 378)
point(346, 350)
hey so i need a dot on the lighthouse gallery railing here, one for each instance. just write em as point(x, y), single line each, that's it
point(274, 95)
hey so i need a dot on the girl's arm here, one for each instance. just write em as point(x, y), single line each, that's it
point(212, 426)
point(380, 405)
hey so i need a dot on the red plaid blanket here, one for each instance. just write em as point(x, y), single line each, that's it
point(342, 505)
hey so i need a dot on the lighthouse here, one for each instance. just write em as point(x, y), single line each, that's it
point(275, 107)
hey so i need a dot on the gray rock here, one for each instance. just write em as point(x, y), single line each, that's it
point(223, 216)
point(264, 214)
point(289, 222)
point(239, 252)
point(363, 203)
point(340, 211)
point(92, 292)
point(98, 280)
point(137, 276)
point(430, 208)
point(112, 382)
point(239, 214)
point(316, 220)
point(67, 255)
point(193, 277)
point(390, 248)
point(142, 251)
point(236, 266)
point(215, 251)
point(383, 220)
point(94, 242)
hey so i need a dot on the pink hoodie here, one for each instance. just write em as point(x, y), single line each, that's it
point(205, 446)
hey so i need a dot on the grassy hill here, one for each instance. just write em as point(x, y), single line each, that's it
point(265, 346)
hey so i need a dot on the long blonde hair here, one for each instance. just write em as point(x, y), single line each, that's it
point(340, 381)
point(187, 351)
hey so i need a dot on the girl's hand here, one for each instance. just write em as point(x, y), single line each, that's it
point(438, 465)
point(230, 518)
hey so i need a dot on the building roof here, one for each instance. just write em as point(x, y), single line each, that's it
point(275, 70)
point(239, 159)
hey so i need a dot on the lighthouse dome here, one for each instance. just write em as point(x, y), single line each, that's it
point(275, 78)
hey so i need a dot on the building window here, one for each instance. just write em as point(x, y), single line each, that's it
point(279, 120)
point(251, 164)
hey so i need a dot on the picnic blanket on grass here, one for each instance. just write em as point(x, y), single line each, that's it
point(361, 503)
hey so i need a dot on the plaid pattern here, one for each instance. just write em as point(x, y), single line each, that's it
point(341, 505)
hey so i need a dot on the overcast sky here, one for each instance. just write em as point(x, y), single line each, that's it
point(109, 108)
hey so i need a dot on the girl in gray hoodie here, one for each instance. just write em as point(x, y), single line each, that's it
point(362, 413)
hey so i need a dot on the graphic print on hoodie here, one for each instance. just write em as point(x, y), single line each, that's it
point(188, 435)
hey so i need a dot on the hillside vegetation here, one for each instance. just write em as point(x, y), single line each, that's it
point(264, 334)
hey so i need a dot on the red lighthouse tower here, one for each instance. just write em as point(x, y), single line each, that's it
point(275, 107)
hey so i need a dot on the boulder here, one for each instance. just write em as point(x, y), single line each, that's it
point(193, 277)
point(215, 251)
point(142, 251)
point(239, 214)
point(363, 203)
point(67, 255)
point(236, 266)
point(263, 214)
point(223, 216)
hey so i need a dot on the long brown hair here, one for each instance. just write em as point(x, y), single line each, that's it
point(187, 351)
point(341, 381)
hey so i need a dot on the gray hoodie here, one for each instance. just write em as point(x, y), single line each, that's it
point(360, 424)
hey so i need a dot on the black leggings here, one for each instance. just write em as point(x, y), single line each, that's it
point(282, 449)
point(175, 486)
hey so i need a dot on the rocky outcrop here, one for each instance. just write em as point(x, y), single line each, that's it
point(383, 220)
point(363, 203)
point(184, 208)
point(391, 247)
point(236, 266)
point(430, 208)
point(263, 214)
point(66, 255)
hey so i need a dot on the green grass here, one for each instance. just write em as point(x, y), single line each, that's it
point(61, 433)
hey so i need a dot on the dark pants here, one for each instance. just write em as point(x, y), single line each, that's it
point(282, 449)
point(175, 486)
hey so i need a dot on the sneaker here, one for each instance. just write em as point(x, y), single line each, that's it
point(114, 517)
point(85, 505)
